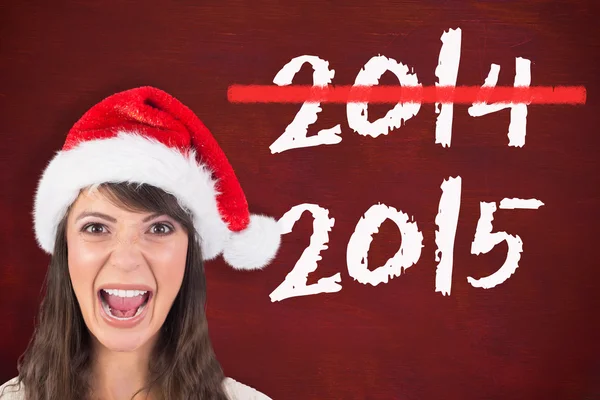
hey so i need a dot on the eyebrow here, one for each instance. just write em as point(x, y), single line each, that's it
point(152, 216)
point(111, 219)
point(95, 214)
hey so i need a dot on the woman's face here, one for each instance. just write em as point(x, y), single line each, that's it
point(126, 268)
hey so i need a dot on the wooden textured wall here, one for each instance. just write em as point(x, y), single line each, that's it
point(535, 336)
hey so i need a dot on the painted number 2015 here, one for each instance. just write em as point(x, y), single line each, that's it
point(295, 283)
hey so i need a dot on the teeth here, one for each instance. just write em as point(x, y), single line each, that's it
point(125, 293)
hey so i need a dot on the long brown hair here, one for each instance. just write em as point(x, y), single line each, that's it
point(57, 363)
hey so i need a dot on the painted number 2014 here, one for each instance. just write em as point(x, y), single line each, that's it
point(295, 134)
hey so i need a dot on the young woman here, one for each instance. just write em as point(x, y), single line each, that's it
point(138, 198)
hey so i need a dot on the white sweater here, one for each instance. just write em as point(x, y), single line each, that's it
point(234, 390)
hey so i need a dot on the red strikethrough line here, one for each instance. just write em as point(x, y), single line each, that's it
point(406, 94)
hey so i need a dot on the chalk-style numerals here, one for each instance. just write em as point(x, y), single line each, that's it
point(447, 72)
point(294, 136)
point(447, 221)
point(358, 113)
point(295, 282)
point(485, 240)
point(357, 254)
point(518, 112)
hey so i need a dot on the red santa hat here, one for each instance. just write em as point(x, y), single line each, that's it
point(144, 135)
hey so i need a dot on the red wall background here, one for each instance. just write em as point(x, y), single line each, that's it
point(533, 337)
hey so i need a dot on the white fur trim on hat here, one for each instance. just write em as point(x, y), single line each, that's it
point(255, 246)
point(130, 157)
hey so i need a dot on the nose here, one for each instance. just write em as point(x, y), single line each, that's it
point(126, 253)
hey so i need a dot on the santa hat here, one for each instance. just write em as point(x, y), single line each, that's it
point(144, 135)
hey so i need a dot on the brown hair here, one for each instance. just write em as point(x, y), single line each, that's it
point(57, 362)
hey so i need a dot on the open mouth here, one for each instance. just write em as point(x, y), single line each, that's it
point(124, 305)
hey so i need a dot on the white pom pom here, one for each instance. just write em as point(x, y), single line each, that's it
point(255, 246)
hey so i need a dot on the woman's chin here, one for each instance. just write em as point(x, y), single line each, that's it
point(121, 344)
point(122, 341)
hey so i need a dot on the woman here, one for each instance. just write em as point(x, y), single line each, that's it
point(138, 198)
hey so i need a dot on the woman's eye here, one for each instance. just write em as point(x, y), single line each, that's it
point(161, 229)
point(95, 229)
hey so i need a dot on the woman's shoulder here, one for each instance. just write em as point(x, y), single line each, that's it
point(12, 390)
point(238, 391)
